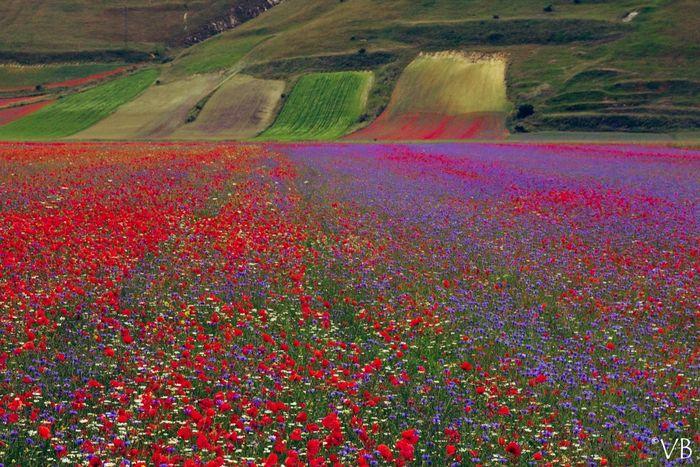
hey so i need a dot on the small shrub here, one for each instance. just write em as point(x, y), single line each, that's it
point(495, 37)
point(524, 111)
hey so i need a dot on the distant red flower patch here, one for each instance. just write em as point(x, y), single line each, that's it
point(11, 114)
point(87, 79)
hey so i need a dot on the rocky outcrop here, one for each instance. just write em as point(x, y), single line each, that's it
point(242, 11)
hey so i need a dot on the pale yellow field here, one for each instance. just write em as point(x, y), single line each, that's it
point(156, 113)
point(243, 107)
point(451, 83)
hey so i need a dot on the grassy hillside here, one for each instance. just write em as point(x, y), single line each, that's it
point(215, 54)
point(76, 112)
point(322, 106)
point(50, 28)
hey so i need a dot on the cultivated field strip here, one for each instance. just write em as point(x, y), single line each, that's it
point(241, 108)
point(445, 95)
point(156, 113)
point(322, 106)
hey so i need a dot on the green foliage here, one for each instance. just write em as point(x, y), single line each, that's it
point(620, 122)
point(322, 106)
point(76, 112)
point(502, 32)
point(524, 111)
point(112, 55)
point(277, 69)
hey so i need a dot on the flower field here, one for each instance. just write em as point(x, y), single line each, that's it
point(341, 304)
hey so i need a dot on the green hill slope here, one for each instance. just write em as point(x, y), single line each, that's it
point(321, 106)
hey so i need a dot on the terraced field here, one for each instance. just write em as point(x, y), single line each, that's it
point(322, 106)
point(27, 77)
point(445, 96)
point(76, 112)
point(609, 99)
point(242, 108)
point(156, 113)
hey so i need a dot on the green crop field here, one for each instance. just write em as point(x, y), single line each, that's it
point(322, 106)
point(78, 111)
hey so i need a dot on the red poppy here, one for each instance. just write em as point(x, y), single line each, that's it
point(514, 448)
point(44, 431)
point(385, 452)
point(410, 435)
point(406, 449)
point(185, 432)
